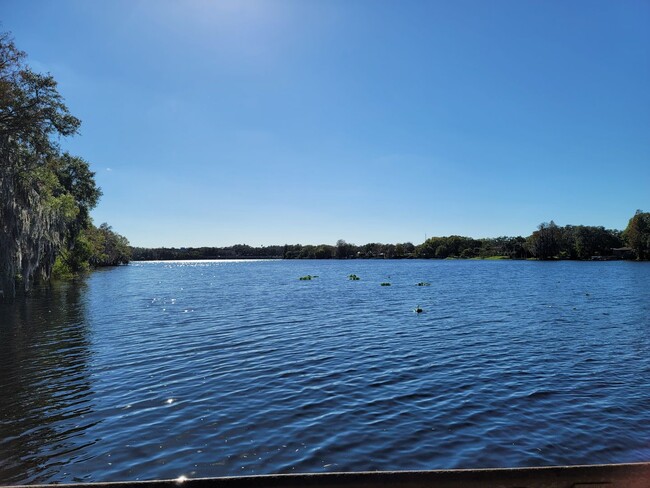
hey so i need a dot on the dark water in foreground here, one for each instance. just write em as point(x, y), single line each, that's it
point(158, 370)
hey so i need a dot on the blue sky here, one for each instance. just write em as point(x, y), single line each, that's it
point(214, 123)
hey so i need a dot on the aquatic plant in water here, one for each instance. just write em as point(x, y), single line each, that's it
point(354, 277)
point(307, 278)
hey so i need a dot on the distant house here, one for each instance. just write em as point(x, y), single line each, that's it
point(623, 252)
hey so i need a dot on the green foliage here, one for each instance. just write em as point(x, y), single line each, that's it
point(586, 242)
point(445, 247)
point(78, 181)
point(108, 247)
point(572, 242)
point(37, 208)
point(32, 112)
point(544, 243)
point(47, 195)
point(637, 234)
point(344, 250)
point(307, 278)
point(238, 251)
point(92, 248)
point(60, 270)
point(77, 258)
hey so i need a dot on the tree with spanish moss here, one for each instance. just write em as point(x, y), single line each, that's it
point(45, 194)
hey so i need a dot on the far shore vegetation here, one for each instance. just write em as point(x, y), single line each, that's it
point(46, 196)
point(548, 242)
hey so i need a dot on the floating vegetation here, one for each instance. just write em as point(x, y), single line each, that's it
point(424, 283)
point(385, 284)
point(353, 277)
point(418, 309)
point(307, 278)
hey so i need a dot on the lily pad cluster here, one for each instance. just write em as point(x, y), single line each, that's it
point(354, 277)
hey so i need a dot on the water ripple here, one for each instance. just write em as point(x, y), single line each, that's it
point(225, 368)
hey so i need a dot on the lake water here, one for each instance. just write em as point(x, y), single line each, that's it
point(157, 370)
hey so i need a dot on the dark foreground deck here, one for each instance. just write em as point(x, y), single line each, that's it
point(593, 476)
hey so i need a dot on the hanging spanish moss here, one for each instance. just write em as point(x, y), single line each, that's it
point(45, 195)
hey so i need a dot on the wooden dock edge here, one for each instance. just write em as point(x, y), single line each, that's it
point(635, 475)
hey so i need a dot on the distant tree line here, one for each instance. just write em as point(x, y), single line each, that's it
point(467, 247)
point(549, 241)
point(345, 250)
point(45, 194)
point(238, 251)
